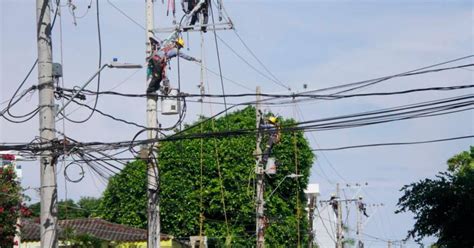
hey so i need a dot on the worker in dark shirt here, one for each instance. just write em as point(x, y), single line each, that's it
point(159, 59)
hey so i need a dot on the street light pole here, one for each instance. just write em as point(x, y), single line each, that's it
point(292, 175)
point(111, 65)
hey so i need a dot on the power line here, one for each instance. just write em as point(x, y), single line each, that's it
point(259, 61)
point(99, 39)
point(312, 96)
point(218, 55)
point(445, 105)
point(250, 65)
point(393, 143)
point(127, 16)
point(410, 72)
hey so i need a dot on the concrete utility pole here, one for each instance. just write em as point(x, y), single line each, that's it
point(312, 201)
point(339, 218)
point(48, 187)
point(153, 215)
point(260, 177)
point(360, 243)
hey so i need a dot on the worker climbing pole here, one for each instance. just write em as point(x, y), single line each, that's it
point(272, 127)
point(160, 58)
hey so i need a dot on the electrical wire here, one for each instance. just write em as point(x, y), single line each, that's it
point(106, 115)
point(218, 56)
point(272, 95)
point(34, 112)
point(393, 143)
point(259, 61)
point(99, 39)
point(114, 145)
point(250, 65)
point(125, 14)
point(301, 116)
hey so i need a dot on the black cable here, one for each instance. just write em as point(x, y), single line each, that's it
point(312, 96)
point(11, 104)
point(392, 144)
point(218, 56)
point(364, 121)
point(31, 70)
point(251, 66)
point(106, 115)
point(100, 65)
point(259, 61)
point(407, 73)
point(33, 114)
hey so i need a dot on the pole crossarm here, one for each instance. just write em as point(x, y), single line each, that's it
point(218, 26)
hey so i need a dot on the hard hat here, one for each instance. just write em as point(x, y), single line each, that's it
point(180, 42)
point(272, 119)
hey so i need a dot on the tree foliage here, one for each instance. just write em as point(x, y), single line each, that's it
point(223, 197)
point(11, 206)
point(86, 207)
point(443, 206)
point(124, 200)
point(81, 240)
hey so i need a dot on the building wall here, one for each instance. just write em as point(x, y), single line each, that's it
point(164, 244)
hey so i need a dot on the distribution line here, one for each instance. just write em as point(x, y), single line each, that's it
point(409, 72)
point(393, 144)
point(322, 153)
point(250, 65)
point(99, 39)
point(105, 158)
point(259, 61)
point(125, 14)
point(274, 95)
point(114, 87)
point(218, 59)
point(425, 109)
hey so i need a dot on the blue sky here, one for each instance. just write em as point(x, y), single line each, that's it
point(319, 43)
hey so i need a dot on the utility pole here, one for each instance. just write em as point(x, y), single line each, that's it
point(359, 226)
point(153, 211)
point(260, 177)
point(48, 187)
point(311, 215)
point(339, 218)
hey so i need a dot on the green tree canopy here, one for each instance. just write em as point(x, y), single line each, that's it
point(212, 180)
point(124, 200)
point(443, 207)
point(68, 209)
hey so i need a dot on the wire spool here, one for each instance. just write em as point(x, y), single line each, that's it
point(81, 173)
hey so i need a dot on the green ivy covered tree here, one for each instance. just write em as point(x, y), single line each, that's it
point(208, 184)
point(124, 200)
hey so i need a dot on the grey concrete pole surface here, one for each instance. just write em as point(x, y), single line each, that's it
point(48, 186)
point(312, 202)
point(339, 218)
point(260, 221)
point(153, 213)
